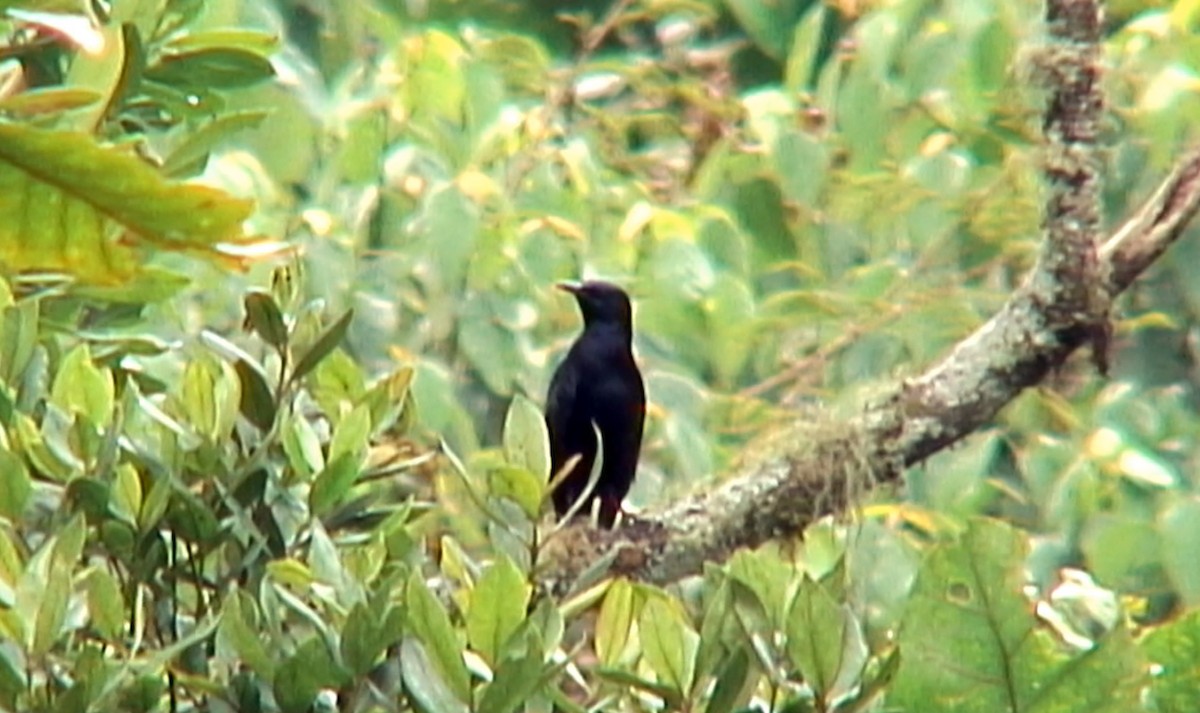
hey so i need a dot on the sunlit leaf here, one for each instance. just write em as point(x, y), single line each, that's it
point(126, 497)
point(614, 625)
point(69, 204)
point(105, 603)
point(526, 442)
point(520, 486)
point(82, 387)
point(498, 605)
point(668, 644)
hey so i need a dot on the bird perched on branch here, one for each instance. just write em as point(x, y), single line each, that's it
point(598, 383)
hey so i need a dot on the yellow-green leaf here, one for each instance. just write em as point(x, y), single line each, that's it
point(498, 606)
point(69, 204)
point(82, 387)
point(526, 443)
point(105, 604)
point(126, 498)
point(615, 623)
point(668, 645)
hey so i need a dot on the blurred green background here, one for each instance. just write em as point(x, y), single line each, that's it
point(807, 200)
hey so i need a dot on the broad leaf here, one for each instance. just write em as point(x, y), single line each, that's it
point(68, 204)
point(970, 642)
point(427, 618)
point(498, 605)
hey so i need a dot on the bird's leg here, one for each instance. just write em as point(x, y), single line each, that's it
point(610, 507)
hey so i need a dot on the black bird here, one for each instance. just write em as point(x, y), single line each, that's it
point(597, 382)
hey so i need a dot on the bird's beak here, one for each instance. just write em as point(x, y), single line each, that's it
point(569, 286)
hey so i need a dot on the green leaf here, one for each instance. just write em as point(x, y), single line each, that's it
point(350, 436)
point(386, 398)
point(81, 387)
point(331, 484)
point(210, 397)
point(766, 574)
point(192, 519)
point(428, 620)
point(614, 624)
point(258, 402)
point(520, 486)
point(1120, 547)
point(516, 679)
point(18, 336)
point(15, 485)
point(489, 346)
point(729, 689)
point(424, 680)
point(292, 572)
point(498, 605)
point(105, 604)
point(236, 633)
point(47, 100)
point(338, 385)
point(56, 594)
point(265, 318)
point(189, 156)
point(769, 24)
point(806, 45)
point(326, 343)
point(363, 639)
point(211, 68)
point(84, 208)
point(263, 43)
point(967, 608)
point(668, 644)
point(729, 312)
point(302, 447)
point(29, 442)
point(1175, 649)
point(125, 498)
point(824, 641)
point(1180, 541)
point(303, 674)
point(526, 441)
point(155, 504)
point(11, 564)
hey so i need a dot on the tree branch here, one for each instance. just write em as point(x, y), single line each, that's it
point(1062, 305)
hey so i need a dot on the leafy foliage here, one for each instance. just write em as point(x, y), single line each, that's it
point(804, 196)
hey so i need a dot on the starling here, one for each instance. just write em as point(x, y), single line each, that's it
point(599, 383)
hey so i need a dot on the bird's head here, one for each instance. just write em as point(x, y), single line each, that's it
point(601, 302)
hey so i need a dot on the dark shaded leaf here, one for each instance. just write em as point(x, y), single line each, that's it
point(264, 317)
point(257, 403)
point(326, 343)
